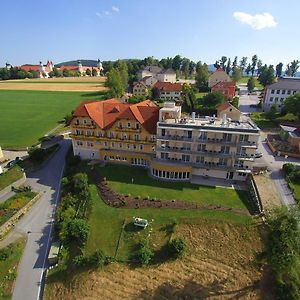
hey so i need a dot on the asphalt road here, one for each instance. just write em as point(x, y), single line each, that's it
point(37, 224)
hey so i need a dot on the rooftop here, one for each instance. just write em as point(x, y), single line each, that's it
point(289, 83)
point(211, 123)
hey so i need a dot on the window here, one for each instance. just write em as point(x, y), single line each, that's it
point(278, 92)
point(272, 91)
point(141, 147)
point(283, 92)
point(137, 126)
point(111, 134)
point(88, 132)
point(77, 132)
point(120, 145)
point(128, 125)
point(271, 99)
point(136, 137)
point(111, 157)
point(288, 92)
point(113, 145)
point(118, 157)
point(84, 121)
point(134, 146)
point(163, 132)
point(164, 155)
point(124, 158)
point(105, 144)
point(276, 99)
point(185, 157)
point(128, 146)
point(77, 121)
point(120, 125)
point(281, 99)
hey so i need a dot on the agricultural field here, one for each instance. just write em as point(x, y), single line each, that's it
point(82, 84)
point(27, 116)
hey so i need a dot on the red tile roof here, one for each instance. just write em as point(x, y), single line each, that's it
point(106, 113)
point(224, 106)
point(224, 84)
point(168, 86)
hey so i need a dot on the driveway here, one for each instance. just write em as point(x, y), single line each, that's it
point(37, 225)
point(247, 100)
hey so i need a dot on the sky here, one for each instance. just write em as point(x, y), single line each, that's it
point(62, 30)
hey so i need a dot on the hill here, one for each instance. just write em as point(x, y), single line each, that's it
point(84, 62)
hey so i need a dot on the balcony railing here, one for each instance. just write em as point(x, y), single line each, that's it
point(84, 126)
point(175, 138)
point(110, 139)
point(127, 129)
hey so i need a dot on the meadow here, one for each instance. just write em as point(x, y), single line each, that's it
point(27, 116)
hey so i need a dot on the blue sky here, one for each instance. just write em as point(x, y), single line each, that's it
point(34, 30)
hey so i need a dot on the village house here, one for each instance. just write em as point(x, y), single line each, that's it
point(168, 90)
point(291, 135)
point(218, 76)
point(227, 88)
point(140, 89)
point(158, 73)
point(277, 92)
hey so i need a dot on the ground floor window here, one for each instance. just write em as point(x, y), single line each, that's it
point(139, 162)
point(170, 175)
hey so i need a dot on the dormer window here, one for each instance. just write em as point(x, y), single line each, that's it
point(128, 125)
point(84, 121)
point(77, 121)
point(137, 126)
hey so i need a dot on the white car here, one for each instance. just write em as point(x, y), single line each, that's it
point(140, 222)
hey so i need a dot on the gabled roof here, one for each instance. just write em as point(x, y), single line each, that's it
point(168, 86)
point(140, 82)
point(167, 71)
point(106, 113)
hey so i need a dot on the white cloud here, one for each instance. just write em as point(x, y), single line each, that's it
point(258, 21)
point(115, 8)
point(107, 13)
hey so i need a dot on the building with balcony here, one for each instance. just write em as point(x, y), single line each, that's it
point(277, 92)
point(168, 90)
point(208, 147)
point(171, 145)
point(114, 131)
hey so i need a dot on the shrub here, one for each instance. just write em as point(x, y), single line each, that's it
point(97, 259)
point(36, 154)
point(5, 253)
point(76, 230)
point(64, 181)
point(177, 247)
point(288, 168)
point(144, 254)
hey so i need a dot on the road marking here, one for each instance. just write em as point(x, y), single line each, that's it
point(50, 232)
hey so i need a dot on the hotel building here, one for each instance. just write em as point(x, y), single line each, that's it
point(173, 146)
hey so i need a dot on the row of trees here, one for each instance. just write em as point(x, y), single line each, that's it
point(16, 73)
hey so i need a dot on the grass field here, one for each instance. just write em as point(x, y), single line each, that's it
point(120, 177)
point(10, 176)
point(262, 121)
point(8, 268)
point(28, 115)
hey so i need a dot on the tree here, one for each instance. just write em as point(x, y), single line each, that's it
point(292, 104)
point(94, 72)
point(177, 61)
point(76, 230)
point(228, 67)
point(243, 63)
point(144, 254)
point(279, 69)
point(259, 65)
point(189, 98)
point(177, 247)
point(185, 67)
point(217, 65)
point(202, 77)
point(121, 66)
point(236, 75)
point(294, 67)
point(251, 84)
point(223, 62)
point(212, 100)
point(272, 113)
point(288, 71)
point(283, 251)
point(253, 65)
point(66, 73)
point(115, 84)
point(234, 64)
point(88, 72)
point(266, 76)
point(248, 69)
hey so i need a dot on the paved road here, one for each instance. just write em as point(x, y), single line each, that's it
point(274, 165)
point(247, 100)
point(37, 224)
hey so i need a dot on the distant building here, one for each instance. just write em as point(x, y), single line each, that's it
point(291, 135)
point(227, 110)
point(218, 76)
point(277, 92)
point(42, 70)
point(82, 69)
point(158, 73)
point(168, 90)
point(140, 89)
point(226, 88)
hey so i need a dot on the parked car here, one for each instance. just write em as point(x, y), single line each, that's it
point(258, 155)
point(13, 162)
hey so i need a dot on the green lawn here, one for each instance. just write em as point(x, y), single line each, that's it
point(119, 178)
point(51, 82)
point(200, 95)
point(245, 79)
point(262, 121)
point(296, 187)
point(10, 176)
point(106, 224)
point(27, 115)
point(8, 268)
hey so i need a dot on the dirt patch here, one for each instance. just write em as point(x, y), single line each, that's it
point(267, 191)
point(219, 264)
point(115, 199)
